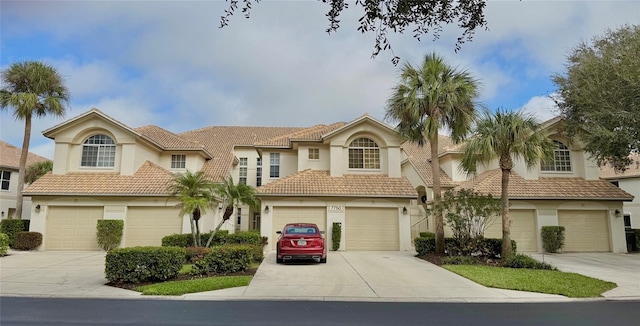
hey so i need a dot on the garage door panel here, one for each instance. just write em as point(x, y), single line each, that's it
point(586, 231)
point(371, 229)
point(146, 226)
point(285, 215)
point(523, 230)
point(72, 227)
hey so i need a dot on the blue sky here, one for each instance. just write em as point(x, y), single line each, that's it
point(167, 63)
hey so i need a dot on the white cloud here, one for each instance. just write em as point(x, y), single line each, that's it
point(542, 107)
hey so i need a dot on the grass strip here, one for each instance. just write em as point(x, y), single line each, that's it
point(194, 285)
point(571, 285)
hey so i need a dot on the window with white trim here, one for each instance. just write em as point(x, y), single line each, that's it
point(314, 153)
point(98, 151)
point(239, 219)
point(6, 179)
point(178, 161)
point(561, 161)
point(364, 153)
point(274, 165)
point(259, 172)
point(243, 170)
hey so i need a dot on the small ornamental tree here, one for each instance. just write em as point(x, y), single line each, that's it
point(469, 214)
point(109, 233)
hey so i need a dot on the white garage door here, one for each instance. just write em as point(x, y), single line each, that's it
point(371, 228)
point(146, 226)
point(585, 230)
point(523, 230)
point(72, 228)
point(285, 215)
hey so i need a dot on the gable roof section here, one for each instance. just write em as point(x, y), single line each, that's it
point(419, 157)
point(220, 140)
point(313, 133)
point(10, 156)
point(149, 180)
point(319, 183)
point(490, 182)
point(633, 170)
point(363, 118)
point(169, 140)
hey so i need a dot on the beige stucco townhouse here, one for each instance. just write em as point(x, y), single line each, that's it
point(359, 174)
point(9, 168)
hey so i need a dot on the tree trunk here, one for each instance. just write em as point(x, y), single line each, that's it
point(506, 222)
point(196, 219)
point(216, 230)
point(23, 165)
point(435, 171)
point(193, 230)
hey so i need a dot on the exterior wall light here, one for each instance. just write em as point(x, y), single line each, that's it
point(404, 210)
point(266, 209)
point(617, 213)
point(38, 208)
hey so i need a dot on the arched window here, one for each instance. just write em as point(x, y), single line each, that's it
point(364, 153)
point(98, 151)
point(561, 161)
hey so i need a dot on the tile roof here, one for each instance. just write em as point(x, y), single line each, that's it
point(10, 156)
point(313, 133)
point(490, 182)
point(221, 140)
point(167, 139)
point(632, 171)
point(420, 156)
point(321, 183)
point(149, 180)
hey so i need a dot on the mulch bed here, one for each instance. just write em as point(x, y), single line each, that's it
point(437, 259)
point(182, 277)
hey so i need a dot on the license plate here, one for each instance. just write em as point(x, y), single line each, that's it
point(302, 242)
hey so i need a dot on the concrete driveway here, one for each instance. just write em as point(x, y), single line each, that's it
point(622, 269)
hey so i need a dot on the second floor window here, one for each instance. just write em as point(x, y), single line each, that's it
point(243, 170)
point(178, 161)
point(314, 153)
point(98, 151)
point(561, 161)
point(6, 178)
point(364, 153)
point(274, 165)
point(259, 172)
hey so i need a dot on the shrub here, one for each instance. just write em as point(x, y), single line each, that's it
point(27, 240)
point(257, 253)
point(427, 235)
point(524, 261)
point(487, 247)
point(552, 238)
point(12, 227)
point(193, 254)
point(336, 234)
point(244, 237)
point(425, 245)
point(223, 260)
point(460, 260)
point(142, 264)
point(186, 239)
point(493, 247)
point(109, 233)
point(4, 244)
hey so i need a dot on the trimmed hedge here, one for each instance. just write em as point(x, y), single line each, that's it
point(336, 235)
point(552, 238)
point(109, 233)
point(224, 260)
point(4, 244)
point(490, 247)
point(27, 240)
point(427, 235)
point(524, 261)
point(186, 239)
point(12, 227)
point(193, 254)
point(245, 237)
point(142, 264)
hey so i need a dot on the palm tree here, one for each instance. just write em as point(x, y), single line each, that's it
point(231, 196)
point(32, 88)
point(506, 136)
point(193, 190)
point(428, 98)
point(36, 170)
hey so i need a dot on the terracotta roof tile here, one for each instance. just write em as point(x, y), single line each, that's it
point(320, 183)
point(10, 156)
point(167, 139)
point(490, 182)
point(420, 156)
point(632, 171)
point(150, 179)
point(313, 133)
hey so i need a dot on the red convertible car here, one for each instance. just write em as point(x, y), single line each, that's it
point(301, 241)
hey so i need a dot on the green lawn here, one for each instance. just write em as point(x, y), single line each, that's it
point(194, 285)
point(532, 280)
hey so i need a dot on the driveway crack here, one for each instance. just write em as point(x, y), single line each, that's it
point(359, 275)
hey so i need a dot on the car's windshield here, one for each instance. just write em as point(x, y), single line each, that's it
point(300, 230)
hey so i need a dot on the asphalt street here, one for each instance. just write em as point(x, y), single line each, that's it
point(55, 311)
